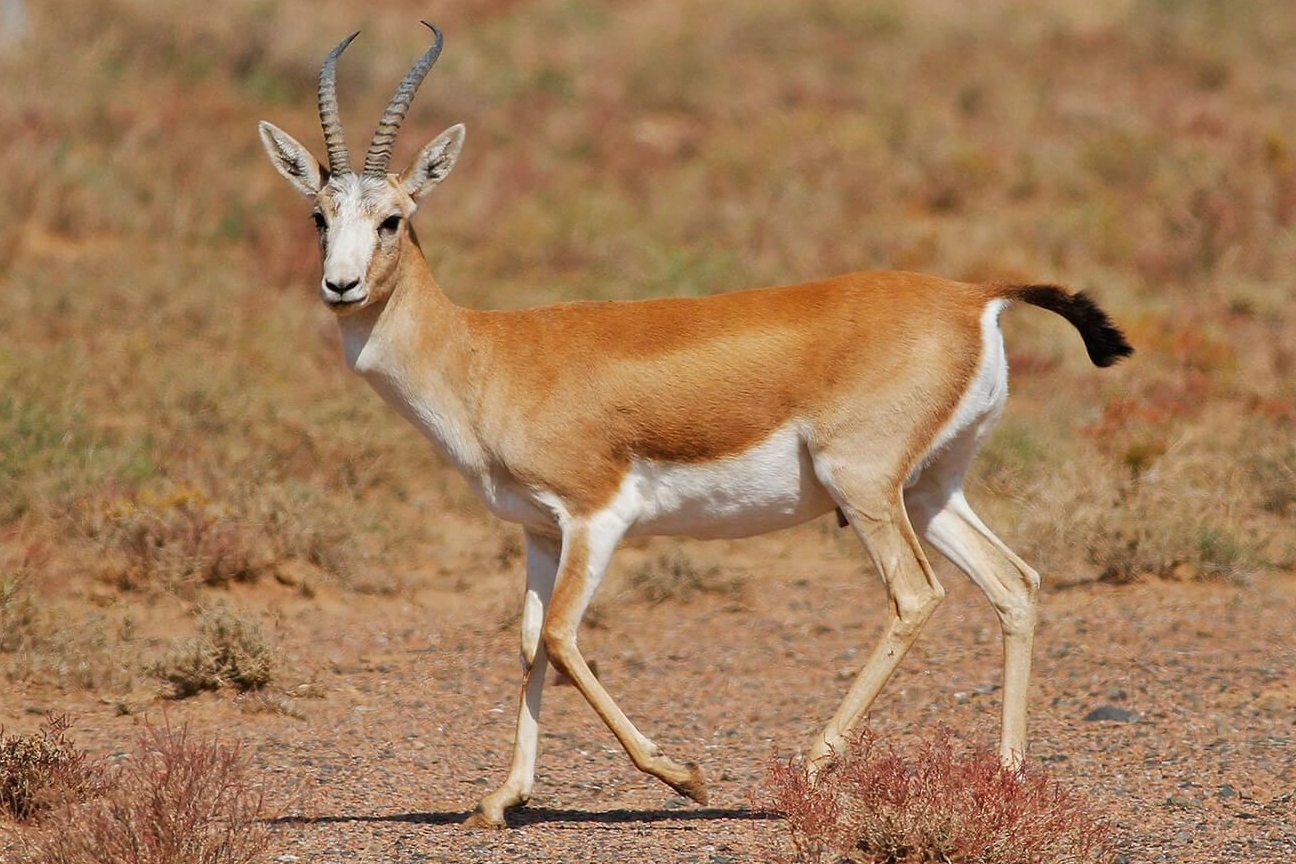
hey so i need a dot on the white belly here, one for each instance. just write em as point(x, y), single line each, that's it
point(770, 486)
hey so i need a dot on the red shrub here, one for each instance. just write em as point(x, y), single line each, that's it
point(872, 805)
point(175, 800)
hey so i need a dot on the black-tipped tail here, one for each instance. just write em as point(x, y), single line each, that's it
point(1103, 340)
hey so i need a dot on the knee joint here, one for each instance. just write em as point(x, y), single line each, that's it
point(1032, 580)
point(1018, 620)
point(1018, 617)
point(913, 612)
point(925, 603)
point(557, 640)
point(1020, 613)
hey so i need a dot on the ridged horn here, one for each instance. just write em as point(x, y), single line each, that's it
point(381, 146)
point(338, 157)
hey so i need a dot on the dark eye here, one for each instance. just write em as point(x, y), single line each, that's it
point(390, 224)
point(320, 224)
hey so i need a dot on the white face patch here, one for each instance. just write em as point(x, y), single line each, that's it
point(356, 204)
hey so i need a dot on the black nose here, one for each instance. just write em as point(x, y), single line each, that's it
point(340, 288)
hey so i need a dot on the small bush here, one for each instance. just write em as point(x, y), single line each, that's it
point(871, 805)
point(176, 800)
point(41, 771)
point(230, 650)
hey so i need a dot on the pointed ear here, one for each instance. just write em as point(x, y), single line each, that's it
point(292, 160)
point(433, 163)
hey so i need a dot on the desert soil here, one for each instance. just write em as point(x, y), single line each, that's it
point(399, 709)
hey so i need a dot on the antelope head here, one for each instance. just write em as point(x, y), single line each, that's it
point(363, 219)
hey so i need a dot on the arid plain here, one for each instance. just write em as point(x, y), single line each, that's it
point(180, 438)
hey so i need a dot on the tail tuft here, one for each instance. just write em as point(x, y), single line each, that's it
point(1103, 340)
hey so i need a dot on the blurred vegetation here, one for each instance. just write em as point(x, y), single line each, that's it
point(231, 650)
point(174, 413)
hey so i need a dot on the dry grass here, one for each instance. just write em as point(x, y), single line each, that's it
point(43, 772)
point(191, 538)
point(1183, 513)
point(40, 642)
point(176, 799)
point(19, 614)
point(874, 805)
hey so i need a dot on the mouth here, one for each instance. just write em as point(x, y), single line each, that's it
point(339, 303)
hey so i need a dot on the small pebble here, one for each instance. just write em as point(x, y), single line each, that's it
point(1111, 712)
point(1183, 802)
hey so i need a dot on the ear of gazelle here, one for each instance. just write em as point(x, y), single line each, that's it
point(432, 163)
point(292, 160)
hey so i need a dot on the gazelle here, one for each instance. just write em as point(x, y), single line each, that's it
point(724, 416)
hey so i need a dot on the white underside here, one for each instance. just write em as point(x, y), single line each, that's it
point(771, 486)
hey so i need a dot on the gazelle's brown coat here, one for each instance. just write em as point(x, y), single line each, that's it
point(885, 355)
point(717, 416)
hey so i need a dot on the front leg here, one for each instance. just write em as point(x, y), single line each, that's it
point(542, 554)
point(587, 547)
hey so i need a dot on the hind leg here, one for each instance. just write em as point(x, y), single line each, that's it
point(880, 521)
point(943, 516)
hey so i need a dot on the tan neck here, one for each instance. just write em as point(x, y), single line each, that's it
point(413, 349)
point(414, 324)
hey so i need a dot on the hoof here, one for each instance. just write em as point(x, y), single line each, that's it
point(814, 767)
point(479, 821)
point(822, 753)
point(693, 786)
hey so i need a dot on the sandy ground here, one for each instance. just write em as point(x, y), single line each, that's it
point(410, 715)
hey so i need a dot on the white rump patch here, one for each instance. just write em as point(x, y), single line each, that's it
point(984, 399)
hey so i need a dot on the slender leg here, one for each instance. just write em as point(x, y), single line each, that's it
point(913, 593)
point(586, 549)
point(542, 555)
point(1012, 586)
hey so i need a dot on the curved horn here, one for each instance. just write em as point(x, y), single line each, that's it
point(339, 159)
point(381, 146)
